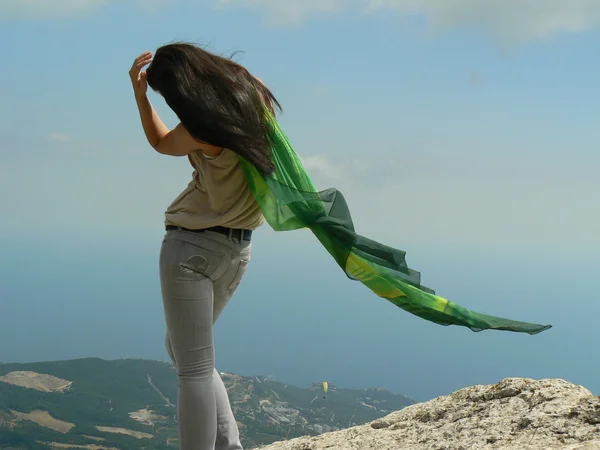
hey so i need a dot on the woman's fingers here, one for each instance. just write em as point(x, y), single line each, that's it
point(145, 56)
point(141, 61)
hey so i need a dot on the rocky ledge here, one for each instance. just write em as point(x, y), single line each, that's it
point(517, 413)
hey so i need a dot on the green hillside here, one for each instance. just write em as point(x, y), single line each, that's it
point(104, 393)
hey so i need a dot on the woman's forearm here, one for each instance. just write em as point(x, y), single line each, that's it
point(154, 128)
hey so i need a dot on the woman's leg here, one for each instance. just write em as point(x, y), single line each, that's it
point(188, 305)
point(192, 303)
point(228, 436)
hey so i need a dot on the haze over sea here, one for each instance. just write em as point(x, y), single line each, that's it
point(465, 135)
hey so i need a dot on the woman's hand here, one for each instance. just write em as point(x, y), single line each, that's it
point(138, 78)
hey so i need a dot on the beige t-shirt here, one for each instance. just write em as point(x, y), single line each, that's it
point(218, 195)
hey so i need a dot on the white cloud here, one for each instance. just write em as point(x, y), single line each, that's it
point(507, 20)
point(48, 8)
point(286, 12)
point(451, 201)
point(322, 167)
point(346, 172)
point(54, 9)
point(412, 205)
point(58, 137)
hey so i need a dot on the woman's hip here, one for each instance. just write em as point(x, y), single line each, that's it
point(203, 255)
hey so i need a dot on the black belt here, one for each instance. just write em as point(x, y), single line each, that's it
point(231, 232)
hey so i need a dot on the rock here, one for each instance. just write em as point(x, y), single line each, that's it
point(517, 413)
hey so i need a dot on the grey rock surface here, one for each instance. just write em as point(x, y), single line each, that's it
point(517, 413)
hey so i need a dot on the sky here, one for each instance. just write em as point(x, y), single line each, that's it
point(463, 132)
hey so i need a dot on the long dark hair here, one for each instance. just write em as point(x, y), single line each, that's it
point(216, 99)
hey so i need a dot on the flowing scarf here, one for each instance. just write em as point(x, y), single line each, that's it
point(289, 201)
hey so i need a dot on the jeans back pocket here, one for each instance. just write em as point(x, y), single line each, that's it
point(202, 257)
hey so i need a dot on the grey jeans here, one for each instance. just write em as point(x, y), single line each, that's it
point(199, 273)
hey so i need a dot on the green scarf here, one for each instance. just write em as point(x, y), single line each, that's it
point(289, 201)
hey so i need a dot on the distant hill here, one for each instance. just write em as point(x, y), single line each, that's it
point(96, 404)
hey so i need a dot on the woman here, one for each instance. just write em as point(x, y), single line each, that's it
point(204, 255)
point(226, 114)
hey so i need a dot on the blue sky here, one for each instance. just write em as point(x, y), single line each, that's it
point(463, 134)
